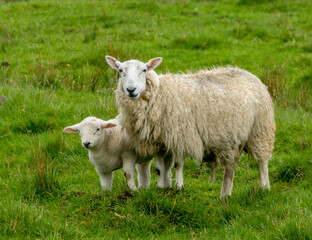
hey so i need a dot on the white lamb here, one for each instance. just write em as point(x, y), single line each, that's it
point(109, 149)
point(222, 111)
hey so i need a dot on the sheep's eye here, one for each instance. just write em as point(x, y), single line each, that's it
point(120, 70)
point(144, 70)
point(98, 129)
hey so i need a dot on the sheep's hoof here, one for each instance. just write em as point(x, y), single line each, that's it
point(133, 189)
point(179, 187)
point(225, 197)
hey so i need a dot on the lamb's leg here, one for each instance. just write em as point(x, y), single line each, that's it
point(128, 160)
point(213, 176)
point(144, 174)
point(106, 181)
point(160, 169)
point(167, 174)
point(179, 174)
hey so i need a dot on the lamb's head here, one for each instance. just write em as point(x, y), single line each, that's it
point(92, 131)
point(133, 74)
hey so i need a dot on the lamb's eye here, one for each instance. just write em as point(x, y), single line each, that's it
point(144, 70)
point(120, 70)
point(98, 129)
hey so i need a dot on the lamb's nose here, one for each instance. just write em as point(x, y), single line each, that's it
point(131, 89)
point(86, 144)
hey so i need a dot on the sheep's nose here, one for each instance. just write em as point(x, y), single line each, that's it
point(86, 144)
point(131, 89)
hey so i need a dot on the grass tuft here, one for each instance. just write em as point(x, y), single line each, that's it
point(292, 170)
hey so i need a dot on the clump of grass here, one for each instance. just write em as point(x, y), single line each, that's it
point(245, 30)
point(33, 126)
point(174, 210)
point(195, 41)
point(295, 229)
point(43, 182)
point(275, 80)
point(90, 34)
point(292, 170)
point(44, 75)
point(227, 211)
point(254, 2)
point(251, 195)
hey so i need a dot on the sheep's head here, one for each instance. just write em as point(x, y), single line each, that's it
point(133, 74)
point(91, 130)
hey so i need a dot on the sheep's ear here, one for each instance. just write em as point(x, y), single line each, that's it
point(153, 63)
point(112, 62)
point(71, 129)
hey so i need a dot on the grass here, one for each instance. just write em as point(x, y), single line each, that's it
point(53, 74)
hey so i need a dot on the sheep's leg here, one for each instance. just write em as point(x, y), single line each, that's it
point(163, 168)
point(230, 161)
point(144, 174)
point(227, 183)
point(160, 169)
point(212, 165)
point(264, 174)
point(106, 181)
point(128, 160)
point(179, 174)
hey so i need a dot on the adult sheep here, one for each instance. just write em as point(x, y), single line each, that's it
point(221, 111)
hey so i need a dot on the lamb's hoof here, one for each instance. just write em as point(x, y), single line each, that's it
point(212, 179)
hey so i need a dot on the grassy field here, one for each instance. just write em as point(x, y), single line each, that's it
point(53, 74)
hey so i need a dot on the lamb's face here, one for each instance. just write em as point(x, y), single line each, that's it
point(133, 74)
point(92, 135)
point(92, 131)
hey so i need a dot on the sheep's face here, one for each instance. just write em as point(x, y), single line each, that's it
point(92, 131)
point(133, 74)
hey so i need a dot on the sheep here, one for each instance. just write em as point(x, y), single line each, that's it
point(222, 111)
point(109, 150)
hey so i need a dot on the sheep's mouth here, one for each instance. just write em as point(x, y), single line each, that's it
point(133, 95)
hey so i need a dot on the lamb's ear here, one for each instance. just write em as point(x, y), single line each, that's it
point(110, 125)
point(153, 63)
point(72, 129)
point(112, 62)
point(106, 124)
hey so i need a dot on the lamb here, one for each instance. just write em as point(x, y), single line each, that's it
point(109, 150)
point(222, 111)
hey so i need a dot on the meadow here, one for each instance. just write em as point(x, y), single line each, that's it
point(53, 74)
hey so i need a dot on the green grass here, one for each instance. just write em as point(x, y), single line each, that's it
point(53, 73)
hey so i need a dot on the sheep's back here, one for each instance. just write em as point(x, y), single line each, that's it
point(188, 113)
